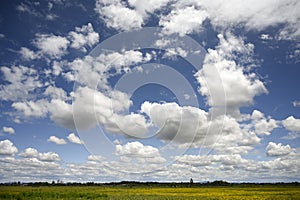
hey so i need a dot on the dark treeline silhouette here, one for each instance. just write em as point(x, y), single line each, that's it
point(149, 184)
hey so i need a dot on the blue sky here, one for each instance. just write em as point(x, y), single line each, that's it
point(153, 90)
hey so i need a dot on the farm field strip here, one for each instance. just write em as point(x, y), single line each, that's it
point(103, 192)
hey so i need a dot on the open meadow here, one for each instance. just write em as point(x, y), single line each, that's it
point(119, 192)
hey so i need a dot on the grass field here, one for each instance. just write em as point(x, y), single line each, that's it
point(102, 192)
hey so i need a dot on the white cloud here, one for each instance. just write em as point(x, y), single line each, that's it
point(74, 139)
point(235, 87)
point(296, 103)
point(56, 68)
point(96, 158)
point(51, 45)
point(22, 81)
point(92, 71)
point(62, 113)
point(7, 148)
point(56, 46)
point(28, 54)
point(254, 15)
point(83, 37)
point(92, 107)
point(51, 17)
point(132, 125)
point(108, 107)
point(139, 151)
point(229, 167)
point(90, 103)
point(193, 126)
point(23, 8)
point(56, 93)
point(56, 140)
point(33, 153)
point(29, 153)
point(274, 149)
point(117, 15)
point(294, 57)
point(144, 7)
point(32, 108)
point(183, 21)
point(291, 124)
point(171, 52)
point(50, 6)
point(9, 130)
point(266, 37)
point(136, 149)
point(207, 160)
point(262, 125)
point(181, 124)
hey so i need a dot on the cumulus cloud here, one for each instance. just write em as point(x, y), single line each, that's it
point(254, 15)
point(180, 20)
point(7, 148)
point(117, 15)
point(74, 139)
point(28, 54)
point(92, 107)
point(55, 46)
point(33, 153)
point(21, 82)
point(181, 124)
point(89, 107)
point(274, 149)
point(56, 140)
point(224, 80)
point(262, 125)
point(62, 113)
point(9, 130)
point(207, 160)
point(51, 45)
point(192, 126)
point(83, 37)
point(31, 165)
point(138, 150)
point(56, 93)
point(291, 124)
point(32, 108)
point(91, 71)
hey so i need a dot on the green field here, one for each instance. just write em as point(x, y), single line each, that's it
point(106, 192)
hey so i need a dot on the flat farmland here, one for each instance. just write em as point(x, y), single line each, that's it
point(120, 192)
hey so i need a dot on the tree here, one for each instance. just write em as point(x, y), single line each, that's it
point(191, 181)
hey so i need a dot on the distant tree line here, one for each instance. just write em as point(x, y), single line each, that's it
point(191, 183)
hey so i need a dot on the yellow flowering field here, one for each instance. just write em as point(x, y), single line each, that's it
point(119, 192)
